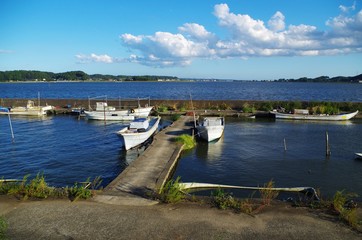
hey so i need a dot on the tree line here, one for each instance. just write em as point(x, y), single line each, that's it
point(24, 75)
point(326, 79)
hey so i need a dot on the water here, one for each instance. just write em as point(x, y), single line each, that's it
point(251, 153)
point(181, 90)
point(67, 150)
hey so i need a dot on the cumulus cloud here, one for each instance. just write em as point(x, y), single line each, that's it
point(247, 37)
point(95, 58)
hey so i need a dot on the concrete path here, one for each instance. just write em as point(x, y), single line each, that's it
point(148, 173)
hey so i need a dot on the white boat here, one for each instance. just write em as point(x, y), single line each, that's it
point(359, 155)
point(211, 128)
point(29, 110)
point(109, 113)
point(324, 117)
point(139, 131)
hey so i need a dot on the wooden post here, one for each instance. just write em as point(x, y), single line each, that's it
point(285, 145)
point(328, 149)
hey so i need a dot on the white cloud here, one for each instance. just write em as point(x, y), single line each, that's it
point(95, 58)
point(248, 37)
point(346, 9)
point(276, 23)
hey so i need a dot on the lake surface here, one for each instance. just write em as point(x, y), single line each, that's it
point(251, 152)
point(240, 90)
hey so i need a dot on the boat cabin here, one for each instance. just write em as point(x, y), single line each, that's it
point(139, 123)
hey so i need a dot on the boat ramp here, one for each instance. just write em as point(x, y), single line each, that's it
point(148, 173)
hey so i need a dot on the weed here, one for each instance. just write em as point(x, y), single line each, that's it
point(175, 117)
point(223, 200)
point(267, 194)
point(78, 192)
point(188, 141)
point(162, 108)
point(172, 192)
point(3, 227)
point(346, 212)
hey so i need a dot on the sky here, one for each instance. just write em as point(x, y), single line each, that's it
point(237, 39)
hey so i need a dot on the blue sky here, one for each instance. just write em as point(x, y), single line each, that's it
point(239, 39)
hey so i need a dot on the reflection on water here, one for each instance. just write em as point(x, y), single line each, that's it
point(65, 149)
point(211, 151)
point(252, 153)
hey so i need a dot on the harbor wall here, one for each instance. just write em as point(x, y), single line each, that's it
point(227, 106)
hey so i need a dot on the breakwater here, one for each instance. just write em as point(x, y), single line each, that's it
point(169, 106)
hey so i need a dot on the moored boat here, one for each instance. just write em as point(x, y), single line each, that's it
point(109, 113)
point(29, 110)
point(139, 131)
point(359, 155)
point(211, 128)
point(307, 116)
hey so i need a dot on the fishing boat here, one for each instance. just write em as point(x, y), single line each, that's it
point(304, 115)
point(139, 131)
point(211, 128)
point(110, 113)
point(359, 155)
point(29, 110)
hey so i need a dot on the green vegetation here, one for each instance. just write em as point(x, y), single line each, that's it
point(188, 141)
point(38, 188)
point(3, 228)
point(347, 212)
point(172, 192)
point(325, 79)
point(23, 75)
point(162, 108)
point(267, 194)
point(223, 200)
point(175, 117)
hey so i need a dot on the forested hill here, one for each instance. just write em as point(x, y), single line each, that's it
point(23, 75)
point(326, 79)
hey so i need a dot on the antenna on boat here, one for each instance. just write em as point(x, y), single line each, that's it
point(193, 111)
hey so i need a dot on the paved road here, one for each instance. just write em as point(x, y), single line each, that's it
point(61, 219)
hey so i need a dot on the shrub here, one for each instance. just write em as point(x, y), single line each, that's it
point(175, 117)
point(172, 192)
point(267, 194)
point(346, 213)
point(223, 200)
point(3, 227)
point(188, 141)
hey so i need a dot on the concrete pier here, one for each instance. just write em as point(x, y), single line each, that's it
point(148, 173)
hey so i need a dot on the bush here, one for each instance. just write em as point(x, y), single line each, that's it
point(223, 200)
point(188, 141)
point(172, 192)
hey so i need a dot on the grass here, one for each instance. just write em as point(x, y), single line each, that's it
point(3, 228)
point(267, 194)
point(172, 192)
point(347, 212)
point(37, 188)
point(188, 141)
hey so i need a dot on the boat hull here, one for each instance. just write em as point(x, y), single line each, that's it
point(133, 139)
point(211, 128)
point(35, 111)
point(118, 115)
point(341, 117)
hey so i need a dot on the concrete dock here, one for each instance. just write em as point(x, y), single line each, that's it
point(147, 174)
